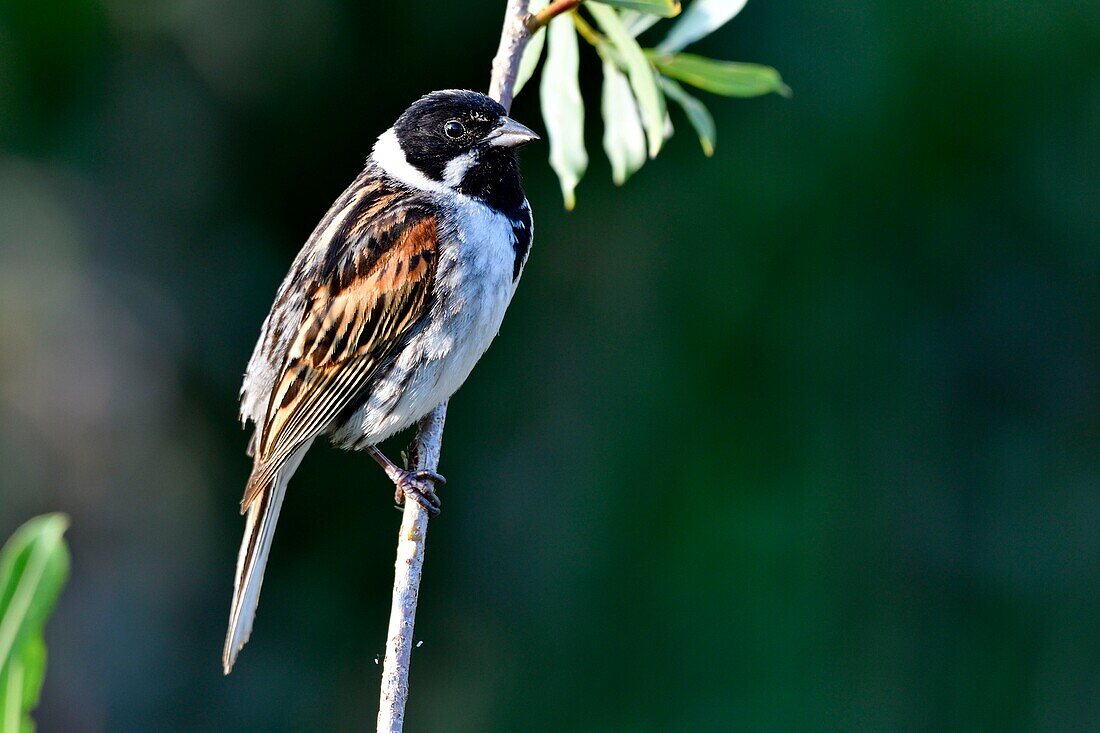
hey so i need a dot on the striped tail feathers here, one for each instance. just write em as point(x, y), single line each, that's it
point(262, 516)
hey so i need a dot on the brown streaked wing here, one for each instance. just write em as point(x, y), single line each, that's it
point(356, 317)
point(322, 252)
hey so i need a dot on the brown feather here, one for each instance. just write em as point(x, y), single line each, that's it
point(355, 319)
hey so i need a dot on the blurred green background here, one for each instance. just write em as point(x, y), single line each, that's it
point(803, 437)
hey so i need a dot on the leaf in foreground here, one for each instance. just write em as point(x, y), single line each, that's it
point(728, 78)
point(697, 113)
point(34, 565)
point(21, 686)
point(563, 107)
point(623, 136)
point(702, 18)
point(642, 79)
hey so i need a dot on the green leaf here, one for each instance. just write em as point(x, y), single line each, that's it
point(697, 114)
point(728, 78)
point(642, 79)
point(702, 18)
point(34, 565)
point(563, 107)
point(531, 54)
point(34, 671)
point(662, 8)
point(638, 23)
point(21, 686)
point(12, 719)
point(623, 136)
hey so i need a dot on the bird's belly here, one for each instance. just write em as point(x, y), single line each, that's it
point(474, 285)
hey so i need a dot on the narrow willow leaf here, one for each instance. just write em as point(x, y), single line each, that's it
point(728, 78)
point(623, 136)
point(642, 79)
point(660, 8)
point(530, 59)
point(563, 107)
point(702, 18)
point(638, 23)
point(697, 114)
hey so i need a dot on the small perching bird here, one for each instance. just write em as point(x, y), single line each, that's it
point(393, 299)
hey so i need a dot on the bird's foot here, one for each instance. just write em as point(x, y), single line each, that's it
point(420, 485)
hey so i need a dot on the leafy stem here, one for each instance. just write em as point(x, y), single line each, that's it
point(551, 11)
point(590, 34)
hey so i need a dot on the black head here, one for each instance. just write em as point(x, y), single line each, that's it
point(465, 141)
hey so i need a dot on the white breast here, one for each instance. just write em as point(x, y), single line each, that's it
point(473, 287)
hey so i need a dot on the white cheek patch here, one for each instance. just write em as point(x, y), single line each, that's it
point(457, 168)
point(390, 158)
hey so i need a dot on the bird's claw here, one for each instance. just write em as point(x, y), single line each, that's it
point(420, 485)
point(435, 478)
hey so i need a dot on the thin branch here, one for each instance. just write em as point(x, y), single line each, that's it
point(426, 449)
point(519, 26)
point(406, 580)
point(551, 11)
point(513, 39)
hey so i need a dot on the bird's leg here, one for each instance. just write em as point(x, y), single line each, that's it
point(421, 484)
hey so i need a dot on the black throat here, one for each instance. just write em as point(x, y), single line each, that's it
point(494, 179)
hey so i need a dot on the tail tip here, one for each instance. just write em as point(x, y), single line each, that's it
point(229, 657)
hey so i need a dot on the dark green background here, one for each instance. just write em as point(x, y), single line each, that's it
point(803, 437)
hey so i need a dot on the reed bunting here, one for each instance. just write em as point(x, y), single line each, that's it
point(393, 299)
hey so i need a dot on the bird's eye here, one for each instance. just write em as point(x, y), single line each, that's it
point(454, 129)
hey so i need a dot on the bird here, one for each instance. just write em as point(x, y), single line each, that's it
point(386, 309)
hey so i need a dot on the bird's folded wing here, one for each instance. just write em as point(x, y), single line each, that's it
point(365, 302)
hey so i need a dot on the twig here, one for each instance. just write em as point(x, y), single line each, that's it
point(551, 11)
point(406, 580)
point(513, 39)
point(519, 24)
